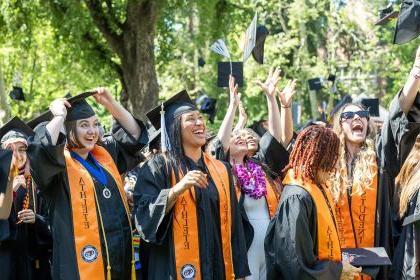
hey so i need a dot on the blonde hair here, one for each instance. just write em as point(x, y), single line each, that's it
point(408, 180)
point(364, 169)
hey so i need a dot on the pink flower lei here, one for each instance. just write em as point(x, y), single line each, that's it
point(251, 179)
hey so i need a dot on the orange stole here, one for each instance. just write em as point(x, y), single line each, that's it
point(356, 229)
point(85, 221)
point(185, 224)
point(271, 198)
point(328, 241)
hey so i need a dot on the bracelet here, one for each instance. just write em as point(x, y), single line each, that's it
point(285, 106)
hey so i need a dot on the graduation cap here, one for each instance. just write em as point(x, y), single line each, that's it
point(163, 116)
point(408, 24)
point(386, 15)
point(372, 104)
point(315, 84)
point(80, 109)
point(258, 51)
point(223, 73)
point(17, 94)
point(15, 129)
point(250, 38)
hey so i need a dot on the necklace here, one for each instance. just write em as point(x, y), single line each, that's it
point(251, 179)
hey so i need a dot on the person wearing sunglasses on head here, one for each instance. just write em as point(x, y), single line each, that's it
point(363, 185)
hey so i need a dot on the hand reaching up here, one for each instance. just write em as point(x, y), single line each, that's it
point(269, 86)
point(287, 93)
point(234, 98)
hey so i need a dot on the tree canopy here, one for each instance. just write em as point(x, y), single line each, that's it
point(145, 49)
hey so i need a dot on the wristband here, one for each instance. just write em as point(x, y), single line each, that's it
point(285, 106)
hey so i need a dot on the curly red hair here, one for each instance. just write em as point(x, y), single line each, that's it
point(316, 148)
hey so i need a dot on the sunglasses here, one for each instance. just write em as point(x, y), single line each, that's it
point(350, 115)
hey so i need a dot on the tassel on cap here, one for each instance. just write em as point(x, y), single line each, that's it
point(165, 145)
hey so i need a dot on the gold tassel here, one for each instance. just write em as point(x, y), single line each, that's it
point(133, 270)
point(108, 272)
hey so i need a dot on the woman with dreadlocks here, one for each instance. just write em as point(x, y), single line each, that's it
point(25, 239)
point(363, 185)
point(186, 207)
point(255, 165)
point(406, 263)
point(302, 240)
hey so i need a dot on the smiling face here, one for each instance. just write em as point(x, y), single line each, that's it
point(83, 134)
point(19, 153)
point(193, 130)
point(355, 128)
point(238, 145)
point(251, 141)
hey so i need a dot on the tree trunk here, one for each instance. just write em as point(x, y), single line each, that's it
point(140, 87)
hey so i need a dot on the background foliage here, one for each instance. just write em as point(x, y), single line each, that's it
point(53, 47)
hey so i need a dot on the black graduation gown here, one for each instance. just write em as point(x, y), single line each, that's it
point(397, 137)
point(5, 161)
point(25, 249)
point(155, 227)
point(273, 157)
point(406, 262)
point(291, 241)
point(49, 171)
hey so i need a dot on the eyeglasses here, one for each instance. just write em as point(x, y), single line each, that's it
point(350, 115)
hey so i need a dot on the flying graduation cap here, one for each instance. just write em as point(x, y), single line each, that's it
point(250, 38)
point(220, 47)
point(408, 24)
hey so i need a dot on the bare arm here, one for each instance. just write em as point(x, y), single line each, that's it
point(225, 129)
point(124, 117)
point(243, 118)
point(269, 88)
point(285, 98)
point(411, 87)
point(59, 110)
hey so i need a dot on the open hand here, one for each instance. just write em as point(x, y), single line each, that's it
point(287, 93)
point(18, 181)
point(349, 271)
point(269, 86)
point(242, 112)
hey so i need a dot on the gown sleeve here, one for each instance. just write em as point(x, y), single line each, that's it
point(5, 161)
point(124, 148)
point(46, 160)
point(289, 242)
point(239, 250)
point(272, 153)
point(219, 152)
point(150, 201)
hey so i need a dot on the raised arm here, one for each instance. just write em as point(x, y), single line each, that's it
point(412, 85)
point(269, 88)
point(225, 129)
point(285, 97)
point(59, 110)
point(243, 117)
point(124, 117)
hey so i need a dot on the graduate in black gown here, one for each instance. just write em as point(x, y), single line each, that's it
point(79, 175)
point(406, 264)
point(258, 194)
point(191, 222)
point(25, 238)
point(302, 240)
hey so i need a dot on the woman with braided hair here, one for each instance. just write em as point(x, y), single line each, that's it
point(302, 240)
